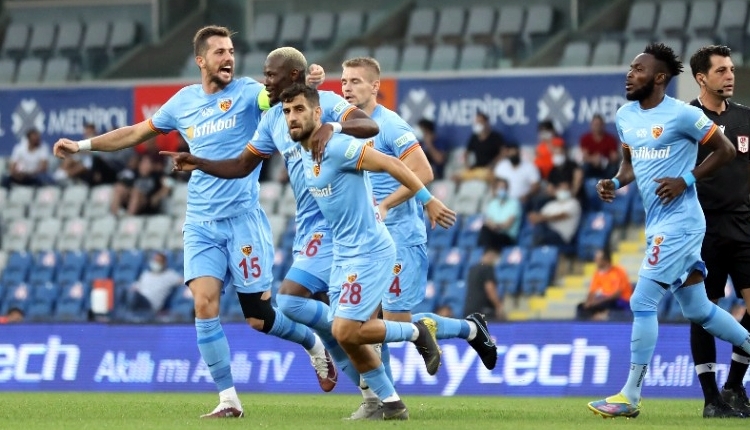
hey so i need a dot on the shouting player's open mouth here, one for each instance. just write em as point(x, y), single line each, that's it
point(226, 71)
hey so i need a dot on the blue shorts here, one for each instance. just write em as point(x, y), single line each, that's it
point(408, 279)
point(237, 250)
point(312, 264)
point(671, 258)
point(357, 288)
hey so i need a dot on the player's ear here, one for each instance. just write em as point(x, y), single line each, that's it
point(376, 86)
point(200, 61)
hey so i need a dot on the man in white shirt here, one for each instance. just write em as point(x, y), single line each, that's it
point(522, 175)
point(557, 222)
point(153, 287)
point(29, 161)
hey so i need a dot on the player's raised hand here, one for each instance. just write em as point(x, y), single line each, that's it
point(438, 213)
point(65, 147)
point(315, 75)
point(183, 161)
point(606, 190)
point(669, 188)
point(318, 141)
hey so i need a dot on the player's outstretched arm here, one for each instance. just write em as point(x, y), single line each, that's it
point(722, 152)
point(417, 162)
point(375, 161)
point(121, 138)
point(606, 187)
point(357, 124)
point(230, 168)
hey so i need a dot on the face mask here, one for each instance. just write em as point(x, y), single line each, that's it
point(545, 135)
point(477, 128)
point(515, 159)
point(155, 266)
point(501, 193)
point(558, 159)
point(562, 194)
point(418, 134)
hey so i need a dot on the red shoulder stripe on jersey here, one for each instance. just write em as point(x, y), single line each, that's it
point(346, 114)
point(152, 127)
point(411, 149)
point(361, 157)
point(252, 149)
point(709, 133)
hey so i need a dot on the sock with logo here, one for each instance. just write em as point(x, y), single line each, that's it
point(703, 347)
point(643, 336)
point(214, 349)
point(378, 382)
point(285, 328)
point(447, 328)
point(740, 360)
point(698, 309)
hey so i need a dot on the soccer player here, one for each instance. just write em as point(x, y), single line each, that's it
point(313, 245)
point(362, 245)
point(661, 137)
point(360, 82)
point(725, 200)
point(226, 233)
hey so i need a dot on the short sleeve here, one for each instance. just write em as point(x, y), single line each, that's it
point(696, 124)
point(348, 153)
point(335, 107)
point(164, 120)
point(262, 143)
point(399, 137)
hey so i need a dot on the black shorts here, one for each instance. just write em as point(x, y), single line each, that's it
point(726, 256)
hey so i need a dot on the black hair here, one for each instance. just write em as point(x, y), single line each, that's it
point(665, 55)
point(427, 125)
point(483, 116)
point(700, 62)
point(546, 125)
point(310, 94)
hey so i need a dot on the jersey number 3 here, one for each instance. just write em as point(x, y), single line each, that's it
point(654, 258)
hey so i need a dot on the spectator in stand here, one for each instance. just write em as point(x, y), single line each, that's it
point(557, 222)
point(143, 190)
point(425, 132)
point(29, 161)
point(502, 218)
point(78, 167)
point(548, 141)
point(154, 285)
point(14, 315)
point(610, 289)
point(565, 169)
point(521, 175)
point(481, 287)
point(600, 151)
point(483, 150)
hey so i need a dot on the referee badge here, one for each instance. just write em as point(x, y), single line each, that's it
point(742, 143)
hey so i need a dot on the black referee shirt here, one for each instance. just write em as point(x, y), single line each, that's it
point(728, 190)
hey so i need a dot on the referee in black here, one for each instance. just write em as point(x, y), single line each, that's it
point(725, 199)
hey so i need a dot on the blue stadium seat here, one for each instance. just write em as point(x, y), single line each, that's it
point(526, 235)
point(281, 262)
point(454, 297)
point(475, 256)
point(125, 274)
point(18, 266)
point(594, 234)
point(442, 238)
point(509, 270)
point(534, 280)
point(181, 305)
point(620, 206)
point(17, 296)
point(545, 257)
point(99, 266)
point(448, 266)
point(43, 267)
point(130, 260)
point(40, 310)
point(637, 214)
point(48, 291)
point(71, 266)
point(176, 260)
point(593, 202)
point(470, 231)
point(430, 300)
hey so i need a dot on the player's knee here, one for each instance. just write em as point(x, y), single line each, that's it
point(345, 334)
point(646, 296)
point(697, 311)
point(289, 305)
point(258, 311)
point(206, 305)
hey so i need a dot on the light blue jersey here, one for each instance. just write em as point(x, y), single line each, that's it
point(663, 143)
point(344, 195)
point(215, 126)
point(272, 135)
point(396, 138)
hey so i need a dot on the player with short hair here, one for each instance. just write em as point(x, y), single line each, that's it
point(226, 233)
point(313, 242)
point(659, 152)
point(725, 200)
point(360, 83)
point(362, 245)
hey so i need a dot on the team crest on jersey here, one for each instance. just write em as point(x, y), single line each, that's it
point(370, 143)
point(397, 268)
point(658, 240)
point(351, 277)
point(742, 143)
point(316, 169)
point(657, 130)
point(247, 250)
point(225, 104)
point(317, 235)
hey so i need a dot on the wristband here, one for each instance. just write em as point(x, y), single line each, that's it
point(423, 196)
point(689, 179)
point(336, 126)
point(84, 145)
point(616, 182)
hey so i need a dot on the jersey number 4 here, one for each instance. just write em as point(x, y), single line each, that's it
point(250, 269)
point(395, 288)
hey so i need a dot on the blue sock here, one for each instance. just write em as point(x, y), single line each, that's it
point(698, 309)
point(398, 331)
point(643, 336)
point(385, 357)
point(310, 312)
point(447, 328)
point(285, 328)
point(214, 349)
point(338, 355)
point(378, 382)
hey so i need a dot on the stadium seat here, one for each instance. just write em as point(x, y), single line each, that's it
point(469, 196)
point(358, 51)
point(42, 38)
point(3, 261)
point(287, 203)
point(69, 36)
point(278, 224)
point(19, 198)
point(264, 31)
point(606, 53)
point(322, 25)
point(99, 266)
point(414, 58)
point(176, 260)
point(99, 234)
point(672, 17)
point(443, 58)
point(454, 297)
point(469, 234)
point(546, 258)
point(349, 25)
point(375, 17)
point(47, 291)
point(702, 19)
point(45, 235)
point(7, 70)
point(594, 234)
point(154, 233)
point(632, 48)
point(270, 191)
point(17, 235)
point(576, 54)
point(174, 238)
point(17, 296)
point(448, 266)
point(421, 26)
point(181, 305)
point(637, 214)
point(130, 260)
point(509, 26)
point(474, 258)
point(481, 24)
point(231, 310)
point(731, 25)
point(43, 267)
point(73, 196)
point(58, 69)
point(71, 238)
point(128, 230)
point(538, 26)
point(17, 268)
point(473, 57)
point(641, 20)
point(72, 305)
point(71, 266)
point(279, 262)
point(534, 281)
point(431, 297)
point(443, 189)
point(509, 270)
point(252, 63)
point(16, 39)
point(124, 36)
point(450, 25)
point(40, 310)
point(387, 56)
point(293, 30)
point(441, 238)
point(696, 43)
point(98, 204)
